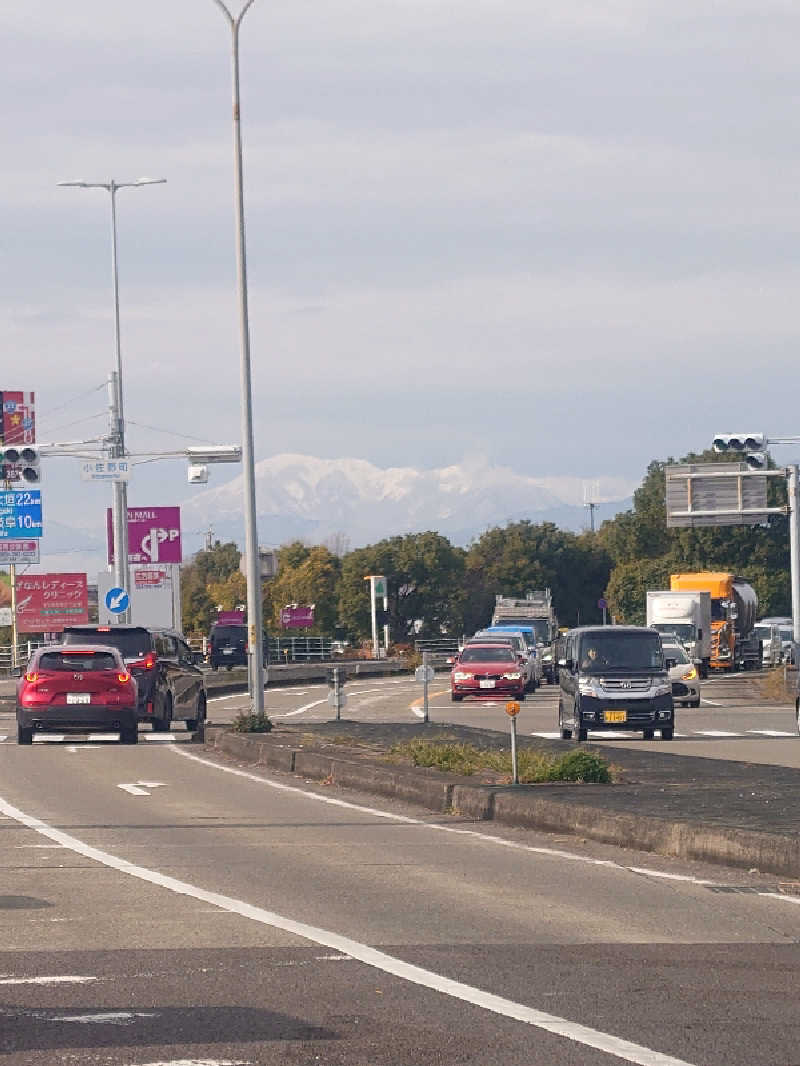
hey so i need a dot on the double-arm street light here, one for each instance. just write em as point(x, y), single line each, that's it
point(119, 499)
point(255, 636)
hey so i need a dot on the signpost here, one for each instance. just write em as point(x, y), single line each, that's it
point(105, 470)
point(17, 427)
point(512, 710)
point(336, 698)
point(20, 514)
point(18, 551)
point(425, 675)
point(297, 616)
point(378, 587)
point(602, 603)
point(117, 600)
point(154, 535)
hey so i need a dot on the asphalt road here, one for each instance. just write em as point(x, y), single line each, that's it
point(163, 907)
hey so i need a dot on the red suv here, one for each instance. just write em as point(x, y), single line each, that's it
point(76, 688)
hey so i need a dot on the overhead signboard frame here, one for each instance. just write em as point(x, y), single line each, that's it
point(718, 494)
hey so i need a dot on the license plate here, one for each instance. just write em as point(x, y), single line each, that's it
point(615, 716)
point(79, 697)
point(227, 651)
point(486, 684)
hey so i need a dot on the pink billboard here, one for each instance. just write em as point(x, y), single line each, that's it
point(18, 419)
point(48, 602)
point(296, 616)
point(154, 535)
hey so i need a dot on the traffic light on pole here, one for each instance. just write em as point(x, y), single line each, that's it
point(751, 446)
point(20, 462)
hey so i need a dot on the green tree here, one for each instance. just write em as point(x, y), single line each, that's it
point(307, 576)
point(425, 575)
point(207, 568)
point(523, 555)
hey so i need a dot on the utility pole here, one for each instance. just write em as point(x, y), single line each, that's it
point(209, 542)
point(591, 508)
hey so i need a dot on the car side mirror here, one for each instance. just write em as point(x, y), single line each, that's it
point(17, 671)
point(671, 663)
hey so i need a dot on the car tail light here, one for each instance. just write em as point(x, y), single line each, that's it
point(123, 678)
point(32, 677)
point(148, 662)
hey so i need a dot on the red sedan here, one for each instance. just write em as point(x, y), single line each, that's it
point(487, 670)
point(69, 687)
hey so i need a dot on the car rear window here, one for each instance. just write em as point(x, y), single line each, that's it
point(131, 643)
point(498, 653)
point(226, 634)
point(86, 662)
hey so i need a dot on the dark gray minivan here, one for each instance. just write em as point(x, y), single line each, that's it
point(614, 678)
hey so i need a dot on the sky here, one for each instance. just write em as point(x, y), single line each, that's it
point(557, 235)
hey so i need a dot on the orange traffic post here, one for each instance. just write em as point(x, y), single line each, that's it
point(512, 710)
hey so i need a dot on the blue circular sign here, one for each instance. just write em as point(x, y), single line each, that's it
point(117, 600)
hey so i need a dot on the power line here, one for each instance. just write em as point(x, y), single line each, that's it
point(170, 432)
point(70, 402)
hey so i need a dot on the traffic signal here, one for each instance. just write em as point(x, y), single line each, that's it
point(20, 462)
point(740, 442)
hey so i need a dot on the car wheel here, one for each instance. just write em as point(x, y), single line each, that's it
point(456, 697)
point(162, 725)
point(648, 734)
point(666, 732)
point(24, 735)
point(214, 667)
point(694, 703)
point(192, 723)
point(130, 735)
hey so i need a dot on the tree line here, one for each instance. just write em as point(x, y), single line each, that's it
point(437, 588)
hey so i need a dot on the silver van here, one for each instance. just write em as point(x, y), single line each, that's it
point(614, 678)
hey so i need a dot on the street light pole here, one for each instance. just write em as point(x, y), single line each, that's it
point(255, 636)
point(119, 498)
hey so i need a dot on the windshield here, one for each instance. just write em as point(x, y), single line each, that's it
point(513, 640)
point(682, 630)
point(229, 634)
point(600, 652)
point(131, 643)
point(497, 653)
point(676, 652)
point(786, 634)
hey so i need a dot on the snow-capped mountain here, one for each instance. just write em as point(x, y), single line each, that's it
point(303, 496)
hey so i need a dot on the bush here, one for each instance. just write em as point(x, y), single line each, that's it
point(245, 722)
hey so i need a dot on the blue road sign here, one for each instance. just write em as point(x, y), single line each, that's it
point(117, 600)
point(20, 513)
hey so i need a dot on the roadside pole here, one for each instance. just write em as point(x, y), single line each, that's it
point(424, 675)
point(512, 710)
point(12, 572)
point(793, 485)
point(373, 615)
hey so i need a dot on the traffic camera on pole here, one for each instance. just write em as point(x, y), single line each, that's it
point(20, 463)
point(751, 446)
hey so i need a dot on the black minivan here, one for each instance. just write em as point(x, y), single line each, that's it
point(614, 678)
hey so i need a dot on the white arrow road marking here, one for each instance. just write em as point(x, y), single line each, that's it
point(139, 788)
point(711, 703)
point(2, 738)
point(343, 945)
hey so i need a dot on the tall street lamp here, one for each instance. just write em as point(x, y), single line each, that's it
point(119, 499)
point(255, 636)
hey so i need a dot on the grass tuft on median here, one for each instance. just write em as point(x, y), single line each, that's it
point(534, 767)
point(245, 722)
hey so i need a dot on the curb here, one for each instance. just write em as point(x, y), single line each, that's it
point(522, 806)
point(290, 675)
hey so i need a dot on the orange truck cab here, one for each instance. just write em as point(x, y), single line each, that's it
point(734, 604)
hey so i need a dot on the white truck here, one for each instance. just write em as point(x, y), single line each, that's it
point(536, 618)
point(688, 616)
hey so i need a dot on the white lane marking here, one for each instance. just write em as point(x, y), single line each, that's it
point(219, 699)
point(48, 738)
point(438, 827)
point(48, 846)
point(201, 1062)
point(711, 703)
point(551, 1023)
point(2, 738)
point(300, 710)
point(103, 736)
point(715, 733)
point(56, 980)
point(771, 733)
point(547, 736)
point(111, 1017)
point(134, 790)
point(164, 738)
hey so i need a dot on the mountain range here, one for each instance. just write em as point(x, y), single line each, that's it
point(300, 496)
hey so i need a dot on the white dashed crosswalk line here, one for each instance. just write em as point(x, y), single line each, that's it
point(721, 733)
point(770, 732)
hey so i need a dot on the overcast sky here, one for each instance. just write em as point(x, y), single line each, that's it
point(561, 235)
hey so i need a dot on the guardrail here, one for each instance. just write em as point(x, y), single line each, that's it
point(439, 650)
point(25, 649)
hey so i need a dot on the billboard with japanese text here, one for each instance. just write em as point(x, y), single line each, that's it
point(154, 535)
point(48, 602)
point(297, 616)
